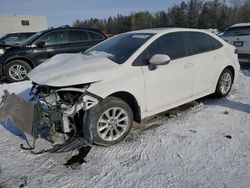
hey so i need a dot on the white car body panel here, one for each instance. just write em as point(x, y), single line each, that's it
point(206, 68)
point(161, 83)
point(171, 85)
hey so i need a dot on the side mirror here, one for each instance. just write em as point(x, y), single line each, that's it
point(159, 59)
point(40, 43)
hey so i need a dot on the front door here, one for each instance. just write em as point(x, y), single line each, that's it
point(54, 44)
point(171, 83)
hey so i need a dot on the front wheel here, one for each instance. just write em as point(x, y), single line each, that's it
point(110, 121)
point(17, 70)
point(224, 84)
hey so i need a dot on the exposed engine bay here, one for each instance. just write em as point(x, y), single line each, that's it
point(55, 114)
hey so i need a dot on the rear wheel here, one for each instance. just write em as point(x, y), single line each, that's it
point(224, 84)
point(17, 70)
point(110, 121)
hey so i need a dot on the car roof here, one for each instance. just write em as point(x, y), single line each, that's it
point(241, 25)
point(165, 30)
point(20, 33)
point(74, 28)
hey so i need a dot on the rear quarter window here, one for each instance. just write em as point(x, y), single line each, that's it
point(215, 44)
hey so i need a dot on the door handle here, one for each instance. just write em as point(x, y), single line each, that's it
point(188, 65)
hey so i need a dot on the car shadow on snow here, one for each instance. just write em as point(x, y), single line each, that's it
point(246, 72)
point(245, 68)
point(225, 102)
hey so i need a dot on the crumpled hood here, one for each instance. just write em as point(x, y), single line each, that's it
point(72, 69)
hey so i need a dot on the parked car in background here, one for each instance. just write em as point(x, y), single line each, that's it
point(239, 36)
point(15, 38)
point(96, 95)
point(17, 61)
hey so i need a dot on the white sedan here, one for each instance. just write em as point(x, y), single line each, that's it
point(96, 95)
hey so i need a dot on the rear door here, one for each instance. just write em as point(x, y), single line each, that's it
point(80, 40)
point(77, 40)
point(206, 53)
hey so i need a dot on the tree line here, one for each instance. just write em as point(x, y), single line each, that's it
point(216, 14)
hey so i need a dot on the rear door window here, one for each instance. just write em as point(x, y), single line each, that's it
point(201, 42)
point(77, 36)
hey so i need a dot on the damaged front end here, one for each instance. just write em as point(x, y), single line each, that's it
point(55, 114)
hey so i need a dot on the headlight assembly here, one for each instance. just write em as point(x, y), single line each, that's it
point(2, 51)
point(51, 99)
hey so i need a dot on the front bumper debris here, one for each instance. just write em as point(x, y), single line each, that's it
point(24, 114)
point(29, 118)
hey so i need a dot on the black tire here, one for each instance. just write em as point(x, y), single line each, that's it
point(97, 113)
point(14, 65)
point(220, 92)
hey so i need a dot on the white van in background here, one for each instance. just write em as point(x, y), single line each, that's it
point(239, 36)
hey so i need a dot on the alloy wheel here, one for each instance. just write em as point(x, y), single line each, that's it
point(225, 83)
point(112, 124)
point(17, 72)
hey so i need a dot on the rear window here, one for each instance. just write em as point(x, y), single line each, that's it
point(237, 31)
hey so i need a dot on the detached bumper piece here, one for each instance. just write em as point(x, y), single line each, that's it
point(28, 117)
point(25, 115)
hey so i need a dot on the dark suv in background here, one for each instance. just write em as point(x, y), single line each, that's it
point(17, 61)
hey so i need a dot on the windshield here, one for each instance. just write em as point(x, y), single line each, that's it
point(31, 39)
point(237, 31)
point(121, 47)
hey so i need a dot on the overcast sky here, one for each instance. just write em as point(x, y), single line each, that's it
point(61, 12)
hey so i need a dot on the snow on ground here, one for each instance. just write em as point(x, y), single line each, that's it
point(207, 145)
